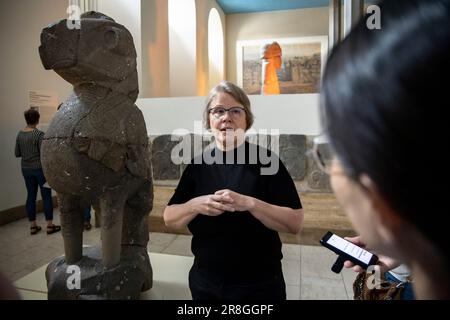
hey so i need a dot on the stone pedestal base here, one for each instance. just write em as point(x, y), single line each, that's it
point(88, 280)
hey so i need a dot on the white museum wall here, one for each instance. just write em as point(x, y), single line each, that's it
point(290, 114)
point(127, 13)
point(182, 48)
point(273, 24)
point(216, 49)
point(21, 23)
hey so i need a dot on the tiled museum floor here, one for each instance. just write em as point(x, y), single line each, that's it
point(306, 268)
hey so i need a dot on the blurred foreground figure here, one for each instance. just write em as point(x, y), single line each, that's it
point(383, 95)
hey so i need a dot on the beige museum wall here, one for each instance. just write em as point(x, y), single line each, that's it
point(21, 70)
point(273, 24)
point(155, 47)
point(203, 8)
point(127, 13)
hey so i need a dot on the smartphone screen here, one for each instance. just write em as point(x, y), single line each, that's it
point(349, 248)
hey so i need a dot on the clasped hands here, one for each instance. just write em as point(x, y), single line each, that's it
point(221, 201)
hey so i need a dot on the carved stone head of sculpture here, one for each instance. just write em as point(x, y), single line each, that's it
point(100, 51)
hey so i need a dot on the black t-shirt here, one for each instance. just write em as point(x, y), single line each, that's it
point(236, 242)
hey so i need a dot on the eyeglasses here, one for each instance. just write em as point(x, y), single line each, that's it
point(322, 153)
point(219, 112)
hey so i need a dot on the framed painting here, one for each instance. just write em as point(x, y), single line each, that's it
point(302, 62)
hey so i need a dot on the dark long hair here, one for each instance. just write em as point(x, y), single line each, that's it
point(384, 96)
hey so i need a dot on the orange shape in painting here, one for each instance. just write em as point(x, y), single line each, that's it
point(271, 61)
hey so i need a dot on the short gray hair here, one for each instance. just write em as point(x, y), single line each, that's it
point(237, 93)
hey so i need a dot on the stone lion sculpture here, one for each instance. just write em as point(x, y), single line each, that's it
point(96, 152)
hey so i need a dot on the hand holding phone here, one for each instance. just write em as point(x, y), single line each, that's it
point(348, 264)
point(347, 251)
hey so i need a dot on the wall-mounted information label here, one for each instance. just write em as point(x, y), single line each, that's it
point(46, 102)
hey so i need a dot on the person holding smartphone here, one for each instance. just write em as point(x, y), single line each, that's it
point(382, 96)
point(391, 269)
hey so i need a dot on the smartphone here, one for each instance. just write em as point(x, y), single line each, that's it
point(348, 251)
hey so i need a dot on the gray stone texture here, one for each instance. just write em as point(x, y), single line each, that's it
point(96, 153)
point(319, 180)
point(316, 179)
point(97, 284)
point(163, 166)
point(294, 151)
point(293, 154)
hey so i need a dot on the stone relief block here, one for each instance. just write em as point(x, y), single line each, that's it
point(293, 154)
point(163, 165)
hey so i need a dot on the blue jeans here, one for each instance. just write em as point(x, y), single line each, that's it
point(87, 214)
point(408, 292)
point(33, 179)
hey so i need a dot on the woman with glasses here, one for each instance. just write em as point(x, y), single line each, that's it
point(383, 95)
point(233, 210)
